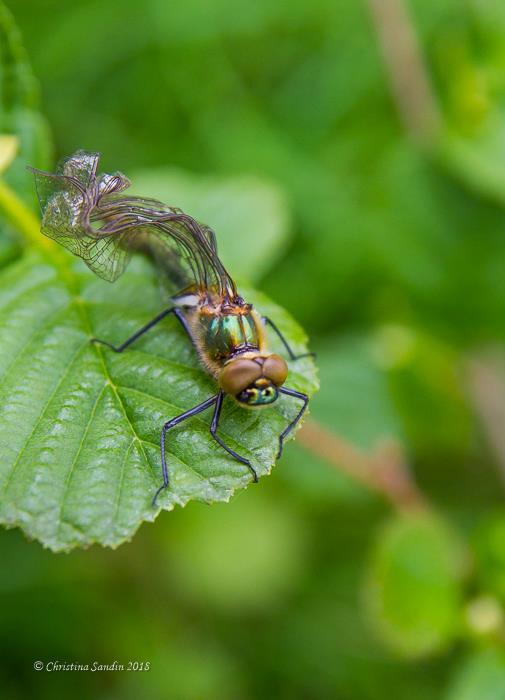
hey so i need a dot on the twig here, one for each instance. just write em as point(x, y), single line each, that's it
point(486, 383)
point(24, 221)
point(406, 70)
point(384, 470)
point(28, 226)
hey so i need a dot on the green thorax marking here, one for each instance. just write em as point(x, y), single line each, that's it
point(224, 333)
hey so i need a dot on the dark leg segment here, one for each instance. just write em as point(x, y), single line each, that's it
point(136, 335)
point(173, 310)
point(182, 320)
point(292, 356)
point(297, 395)
point(213, 432)
point(171, 424)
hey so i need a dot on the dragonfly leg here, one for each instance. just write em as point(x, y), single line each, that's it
point(171, 424)
point(268, 322)
point(138, 333)
point(172, 310)
point(297, 395)
point(213, 432)
point(182, 320)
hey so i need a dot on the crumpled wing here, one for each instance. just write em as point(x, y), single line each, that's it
point(86, 213)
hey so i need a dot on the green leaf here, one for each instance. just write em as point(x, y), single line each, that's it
point(8, 148)
point(481, 677)
point(422, 365)
point(478, 161)
point(80, 425)
point(242, 208)
point(413, 586)
point(489, 547)
point(361, 410)
point(19, 113)
point(469, 62)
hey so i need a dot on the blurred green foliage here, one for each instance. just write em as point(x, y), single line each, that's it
point(416, 555)
point(393, 258)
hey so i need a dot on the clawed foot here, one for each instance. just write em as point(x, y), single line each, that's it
point(305, 354)
point(164, 486)
point(104, 342)
point(161, 488)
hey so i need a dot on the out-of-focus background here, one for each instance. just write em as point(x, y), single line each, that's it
point(366, 142)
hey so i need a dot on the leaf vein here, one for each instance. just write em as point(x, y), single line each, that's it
point(121, 481)
point(77, 454)
point(181, 410)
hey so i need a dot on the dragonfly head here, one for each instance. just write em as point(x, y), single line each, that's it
point(254, 380)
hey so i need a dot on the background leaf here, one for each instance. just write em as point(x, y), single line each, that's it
point(19, 112)
point(355, 399)
point(481, 677)
point(413, 591)
point(489, 547)
point(79, 426)
point(243, 209)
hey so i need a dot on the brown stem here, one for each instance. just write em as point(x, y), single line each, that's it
point(486, 381)
point(384, 470)
point(406, 71)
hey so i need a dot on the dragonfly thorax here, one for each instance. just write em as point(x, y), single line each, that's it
point(226, 332)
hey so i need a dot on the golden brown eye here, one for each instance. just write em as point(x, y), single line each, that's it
point(276, 369)
point(239, 374)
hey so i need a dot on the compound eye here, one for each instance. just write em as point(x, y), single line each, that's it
point(275, 369)
point(239, 374)
point(255, 395)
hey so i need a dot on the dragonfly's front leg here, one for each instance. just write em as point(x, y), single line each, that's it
point(171, 424)
point(297, 395)
point(268, 322)
point(213, 432)
point(172, 310)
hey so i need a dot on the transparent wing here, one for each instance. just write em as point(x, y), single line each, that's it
point(86, 213)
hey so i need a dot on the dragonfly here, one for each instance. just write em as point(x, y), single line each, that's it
point(89, 214)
